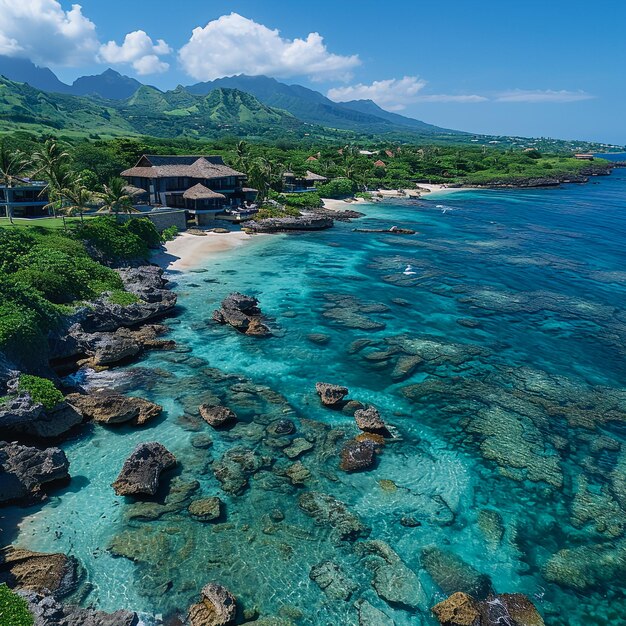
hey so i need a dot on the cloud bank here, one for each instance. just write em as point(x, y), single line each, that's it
point(140, 51)
point(233, 44)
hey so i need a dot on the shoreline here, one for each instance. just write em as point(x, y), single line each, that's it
point(188, 251)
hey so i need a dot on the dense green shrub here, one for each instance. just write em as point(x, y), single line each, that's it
point(267, 212)
point(145, 230)
point(123, 298)
point(338, 188)
point(40, 390)
point(13, 609)
point(13, 244)
point(308, 200)
point(171, 232)
point(112, 239)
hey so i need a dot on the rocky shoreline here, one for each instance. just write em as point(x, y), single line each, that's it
point(106, 335)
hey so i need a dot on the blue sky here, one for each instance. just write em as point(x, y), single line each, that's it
point(535, 68)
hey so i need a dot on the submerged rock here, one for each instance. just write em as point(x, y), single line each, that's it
point(109, 407)
point(242, 313)
point(288, 224)
point(216, 415)
point(331, 395)
point(329, 577)
point(281, 427)
point(297, 473)
point(218, 607)
point(328, 511)
point(369, 615)
point(393, 581)
point(47, 611)
point(37, 571)
point(459, 609)
point(358, 455)
point(298, 446)
point(206, 509)
point(24, 470)
point(452, 573)
point(236, 467)
point(142, 470)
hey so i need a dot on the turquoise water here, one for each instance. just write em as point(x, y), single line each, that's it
point(495, 343)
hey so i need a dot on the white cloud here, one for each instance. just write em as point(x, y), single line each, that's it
point(395, 94)
point(538, 95)
point(139, 50)
point(43, 32)
point(234, 44)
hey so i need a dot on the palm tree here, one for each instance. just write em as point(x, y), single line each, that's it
point(116, 198)
point(77, 199)
point(262, 174)
point(52, 162)
point(243, 153)
point(12, 164)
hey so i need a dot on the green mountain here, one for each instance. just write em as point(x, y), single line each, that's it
point(313, 107)
point(110, 84)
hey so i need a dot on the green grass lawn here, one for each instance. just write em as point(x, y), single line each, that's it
point(39, 222)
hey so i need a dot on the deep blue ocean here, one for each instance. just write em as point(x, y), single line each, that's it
point(493, 341)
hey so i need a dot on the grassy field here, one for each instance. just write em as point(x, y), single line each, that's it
point(41, 222)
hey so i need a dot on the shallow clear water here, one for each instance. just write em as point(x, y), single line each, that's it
point(496, 345)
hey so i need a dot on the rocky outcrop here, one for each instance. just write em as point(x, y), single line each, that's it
point(109, 407)
point(394, 230)
point(371, 616)
point(19, 415)
point(393, 581)
point(25, 471)
point(216, 416)
point(513, 609)
point(331, 395)
point(290, 224)
point(218, 607)
point(370, 421)
point(47, 611)
point(358, 455)
point(37, 571)
point(242, 313)
point(328, 511)
point(142, 470)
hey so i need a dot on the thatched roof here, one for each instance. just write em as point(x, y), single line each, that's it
point(200, 192)
point(133, 191)
point(312, 176)
point(249, 190)
point(379, 163)
point(181, 166)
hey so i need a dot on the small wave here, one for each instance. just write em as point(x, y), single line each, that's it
point(409, 271)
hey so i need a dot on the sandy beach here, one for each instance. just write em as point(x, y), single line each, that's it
point(342, 205)
point(188, 251)
point(429, 190)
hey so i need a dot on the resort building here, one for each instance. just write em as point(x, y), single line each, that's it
point(298, 184)
point(25, 198)
point(203, 186)
point(584, 157)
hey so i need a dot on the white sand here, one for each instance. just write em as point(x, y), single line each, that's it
point(429, 190)
point(342, 205)
point(189, 251)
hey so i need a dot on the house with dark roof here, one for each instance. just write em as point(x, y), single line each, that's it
point(24, 198)
point(204, 186)
point(297, 184)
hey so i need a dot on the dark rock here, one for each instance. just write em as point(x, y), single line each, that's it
point(206, 509)
point(297, 473)
point(369, 420)
point(201, 441)
point(216, 415)
point(24, 471)
point(394, 230)
point(142, 470)
point(281, 427)
point(330, 578)
point(452, 573)
point(218, 607)
point(331, 395)
point(288, 224)
point(328, 511)
point(109, 407)
point(37, 571)
point(47, 611)
point(358, 455)
point(242, 313)
point(298, 446)
point(19, 415)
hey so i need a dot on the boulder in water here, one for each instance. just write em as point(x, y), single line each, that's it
point(331, 395)
point(218, 607)
point(216, 415)
point(358, 455)
point(109, 407)
point(141, 471)
point(242, 313)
